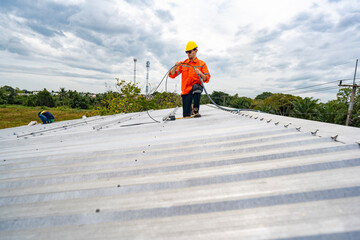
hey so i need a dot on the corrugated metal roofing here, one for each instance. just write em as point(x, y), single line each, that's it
point(222, 176)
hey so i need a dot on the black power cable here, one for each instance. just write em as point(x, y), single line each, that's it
point(166, 75)
point(151, 116)
point(220, 107)
point(318, 90)
point(291, 90)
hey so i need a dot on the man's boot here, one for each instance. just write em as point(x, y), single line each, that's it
point(196, 112)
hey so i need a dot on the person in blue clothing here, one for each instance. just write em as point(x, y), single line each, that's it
point(46, 117)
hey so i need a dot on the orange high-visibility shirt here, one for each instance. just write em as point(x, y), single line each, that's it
point(189, 77)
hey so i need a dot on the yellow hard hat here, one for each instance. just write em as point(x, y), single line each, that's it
point(190, 46)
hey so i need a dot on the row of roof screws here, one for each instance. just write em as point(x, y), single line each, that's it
point(287, 125)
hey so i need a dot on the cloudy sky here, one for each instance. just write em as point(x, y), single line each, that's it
point(250, 46)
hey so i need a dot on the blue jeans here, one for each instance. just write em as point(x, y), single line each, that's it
point(187, 101)
point(45, 119)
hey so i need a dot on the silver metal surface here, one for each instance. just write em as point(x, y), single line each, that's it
point(247, 175)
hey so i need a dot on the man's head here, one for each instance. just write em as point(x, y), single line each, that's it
point(191, 50)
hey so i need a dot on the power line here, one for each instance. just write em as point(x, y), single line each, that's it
point(296, 89)
point(310, 86)
point(318, 90)
point(319, 113)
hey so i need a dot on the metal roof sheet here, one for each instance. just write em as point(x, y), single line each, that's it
point(249, 175)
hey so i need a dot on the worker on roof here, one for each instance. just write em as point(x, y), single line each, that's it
point(191, 87)
point(46, 117)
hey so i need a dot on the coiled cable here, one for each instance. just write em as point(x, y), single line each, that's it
point(207, 94)
point(213, 102)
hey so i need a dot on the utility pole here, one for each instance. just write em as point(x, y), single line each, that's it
point(147, 78)
point(135, 70)
point(352, 97)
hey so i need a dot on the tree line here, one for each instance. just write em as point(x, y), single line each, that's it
point(128, 98)
point(333, 111)
point(44, 98)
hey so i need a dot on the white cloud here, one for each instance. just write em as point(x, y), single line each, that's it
point(249, 46)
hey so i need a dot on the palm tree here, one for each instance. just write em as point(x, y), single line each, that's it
point(62, 94)
point(304, 108)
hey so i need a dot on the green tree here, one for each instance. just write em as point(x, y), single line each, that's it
point(3, 97)
point(355, 119)
point(62, 96)
point(165, 100)
point(9, 94)
point(204, 99)
point(31, 101)
point(329, 112)
point(77, 100)
point(240, 102)
point(127, 99)
point(44, 98)
point(343, 95)
point(97, 100)
point(260, 105)
point(280, 103)
point(263, 95)
point(20, 99)
point(221, 98)
point(304, 108)
point(343, 98)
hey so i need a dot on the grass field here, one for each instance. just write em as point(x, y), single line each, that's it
point(16, 115)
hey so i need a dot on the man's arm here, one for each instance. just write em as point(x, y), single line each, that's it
point(206, 73)
point(202, 75)
point(177, 64)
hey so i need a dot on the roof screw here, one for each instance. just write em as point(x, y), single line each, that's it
point(269, 120)
point(334, 137)
point(298, 128)
point(97, 210)
point(276, 123)
point(118, 185)
point(256, 117)
point(135, 160)
point(314, 132)
point(261, 119)
point(287, 125)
